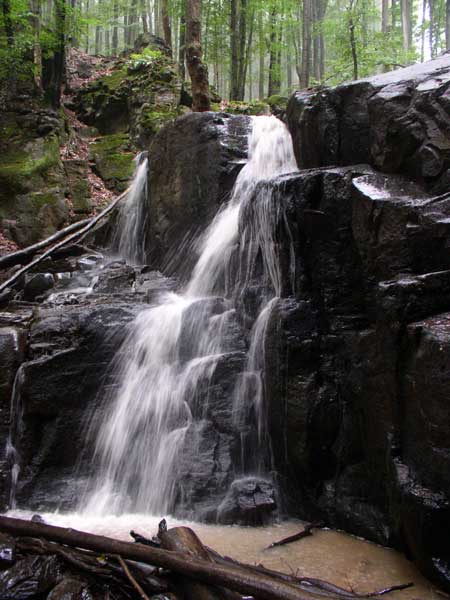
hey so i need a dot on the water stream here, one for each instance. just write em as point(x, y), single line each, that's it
point(172, 350)
point(165, 371)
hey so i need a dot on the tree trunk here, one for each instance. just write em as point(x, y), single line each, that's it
point(306, 45)
point(275, 55)
point(447, 25)
point(144, 16)
point(6, 10)
point(166, 23)
point(98, 32)
point(241, 52)
point(54, 66)
point(384, 16)
point(261, 56)
point(37, 52)
point(115, 35)
point(234, 45)
point(405, 8)
point(197, 69)
point(351, 28)
point(182, 48)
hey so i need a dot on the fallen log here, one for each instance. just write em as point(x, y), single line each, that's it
point(183, 539)
point(306, 532)
point(24, 255)
point(81, 232)
point(233, 577)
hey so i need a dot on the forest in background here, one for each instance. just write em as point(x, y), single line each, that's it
point(253, 48)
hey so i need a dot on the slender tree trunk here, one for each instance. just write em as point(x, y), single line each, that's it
point(241, 50)
point(247, 58)
point(182, 48)
point(56, 65)
point(384, 15)
point(37, 52)
point(261, 56)
point(422, 35)
point(6, 10)
point(447, 25)
point(306, 45)
point(197, 69)
point(275, 55)
point(98, 33)
point(86, 45)
point(351, 27)
point(115, 35)
point(144, 16)
point(133, 21)
point(166, 23)
point(431, 30)
point(405, 7)
point(234, 44)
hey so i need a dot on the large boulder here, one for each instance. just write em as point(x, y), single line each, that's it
point(193, 163)
point(398, 122)
point(356, 359)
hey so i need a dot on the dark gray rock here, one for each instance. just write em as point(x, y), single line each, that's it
point(68, 361)
point(250, 501)
point(37, 285)
point(31, 577)
point(198, 157)
point(71, 588)
point(397, 122)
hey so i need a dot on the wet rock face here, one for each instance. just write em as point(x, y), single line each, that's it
point(194, 162)
point(357, 373)
point(398, 122)
point(249, 501)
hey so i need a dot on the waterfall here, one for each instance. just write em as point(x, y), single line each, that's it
point(129, 237)
point(173, 349)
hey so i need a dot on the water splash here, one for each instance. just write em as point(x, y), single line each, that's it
point(172, 351)
point(129, 238)
point(15, 434)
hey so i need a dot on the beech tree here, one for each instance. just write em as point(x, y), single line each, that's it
point(197, 69)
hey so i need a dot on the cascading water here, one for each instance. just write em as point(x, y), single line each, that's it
point(173, 349)
point(129, 238)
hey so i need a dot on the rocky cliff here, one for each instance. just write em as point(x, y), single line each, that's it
point(357, 349)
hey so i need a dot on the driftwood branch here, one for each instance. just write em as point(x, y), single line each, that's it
point(306, 532)
point(92, 222)
point(24, 255)
point(132, 580)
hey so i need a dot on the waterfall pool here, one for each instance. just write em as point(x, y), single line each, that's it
point(342, 559)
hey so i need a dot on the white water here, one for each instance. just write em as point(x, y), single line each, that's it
point(129, 237)
point(141, 439)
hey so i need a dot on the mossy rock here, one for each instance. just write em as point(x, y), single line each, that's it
point(36, 216)
point(278, 104)
point(253, 108)
point(77, 173)
point(113, 158)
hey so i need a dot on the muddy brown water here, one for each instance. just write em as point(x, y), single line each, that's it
point(337, 557)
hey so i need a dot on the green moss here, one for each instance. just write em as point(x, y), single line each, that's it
point(153, 119)
point(40, 199)
point(255, 107)
point(111, 143)
point(19, 168)
point(277, 101)
point(114, 80)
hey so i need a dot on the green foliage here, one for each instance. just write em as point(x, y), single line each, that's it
point(147, 58)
